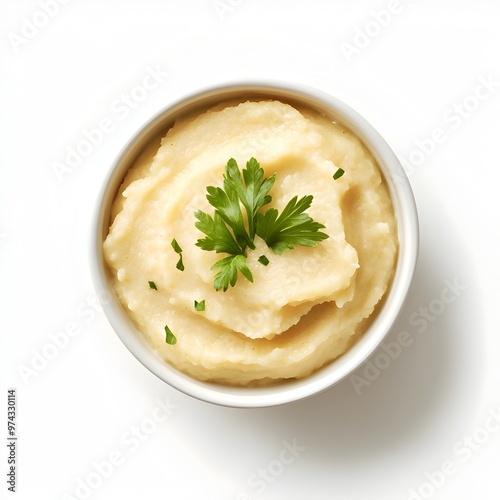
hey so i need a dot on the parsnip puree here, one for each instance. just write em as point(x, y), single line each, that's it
point(308, 305)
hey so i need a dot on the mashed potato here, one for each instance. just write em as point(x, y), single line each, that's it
point(308, 305)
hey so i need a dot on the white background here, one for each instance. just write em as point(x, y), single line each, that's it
point(90, 414)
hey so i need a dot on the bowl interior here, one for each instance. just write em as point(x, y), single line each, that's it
point(407, 224)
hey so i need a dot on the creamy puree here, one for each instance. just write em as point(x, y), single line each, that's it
point(309, 304)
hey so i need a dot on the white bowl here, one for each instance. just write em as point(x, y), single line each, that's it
point(407, 223)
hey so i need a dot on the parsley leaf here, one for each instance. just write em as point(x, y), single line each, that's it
point(219, 237)
point(292, 227)
point(228, 271)
point(227, 206)
point(152, 285)
point(252, 190)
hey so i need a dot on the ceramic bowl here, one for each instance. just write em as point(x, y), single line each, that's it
point(294, 390)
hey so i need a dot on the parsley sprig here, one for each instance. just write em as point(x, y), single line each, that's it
point(232, 230)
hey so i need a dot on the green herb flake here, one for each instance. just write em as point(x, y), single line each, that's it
point(339, 173)
point(178, 250)
point(199, 306)
point(170, 338)
point(180, 264)
point(263, 260)
point(152, 285)
point(176, 246)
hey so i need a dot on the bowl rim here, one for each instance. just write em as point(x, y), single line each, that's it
point(284, 392)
